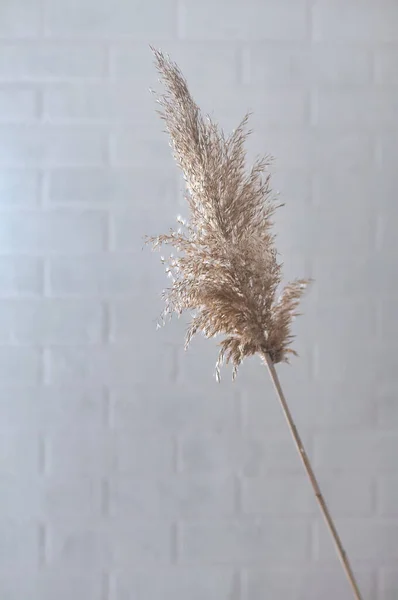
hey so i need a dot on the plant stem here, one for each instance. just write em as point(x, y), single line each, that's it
point(307, 465)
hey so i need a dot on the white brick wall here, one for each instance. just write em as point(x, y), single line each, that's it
point(126, 473)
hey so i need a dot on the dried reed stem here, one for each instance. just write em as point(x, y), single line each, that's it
point(311, 476)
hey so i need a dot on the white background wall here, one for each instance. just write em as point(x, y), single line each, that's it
point(126, 472)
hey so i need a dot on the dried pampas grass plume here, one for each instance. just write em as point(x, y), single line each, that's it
point(225, 269)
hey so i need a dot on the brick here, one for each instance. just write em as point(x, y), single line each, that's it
point(387, 327)
point(388, 583)
point(253, 374)
point(342, 406)
point(159, 453)
point(347, 495)
point(337, 405)
point(259, 21)
point(63, 585)
point(269, 108)
point(175, 497)
point(352, 150)
point(127, 232)
point(384, 181)
point(288, 494)
point(261, 412)
point(332, 321)
point(195, 583)
point(331, 365)
point(144, 543)
point(100, 275)
point(18, 104)
point(98, 19)
point(50, 497)
point(97, 451)
point(16, 587)
point(126, 149)
point(202, 63)
point(332, 233)
point(213, 453)
point(119, 309)
point(43, 61)
point(374, 540)
point(19, 546)
point(277, 495)
point(303, 64)
point(321, 230)
point(51, 584)
point(356, 187)
point(373, 451)
point(47, 408)
point(51, 146)
point(387, 408)
point(388, 143)
point(20, 453)
point(112, 187)
point(45, 322)
point(352, 278)
point(387, 239)
point(77, 544)
point(20, 18)
point(20, 276)
point(356, 108)
point(291, 239)
point(386, 65)
point(19, 364)
point(98, 103)
point(196, 367)
point(80, 452)
point(302, 584)
point(117, 364)
point(52, 232)
point(122, 329)
point(239, 542)
point(312, 150)
point(294, 265)
point(226, 452)
point(387, 492)
point(130, 228)
point(93, 545)
point(182, 409)
point(292, 186)
point(19, 187)
point(355, 21)
point(335, 322)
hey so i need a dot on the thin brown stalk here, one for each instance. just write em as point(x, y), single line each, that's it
point(225, 271)
point(311, 476)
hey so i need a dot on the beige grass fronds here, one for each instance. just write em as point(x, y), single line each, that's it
point(226, 270)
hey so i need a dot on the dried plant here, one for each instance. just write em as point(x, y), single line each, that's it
point(226, 270)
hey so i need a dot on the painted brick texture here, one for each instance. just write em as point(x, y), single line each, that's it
point(126, 472)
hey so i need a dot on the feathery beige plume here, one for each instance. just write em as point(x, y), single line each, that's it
point(226, 270)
